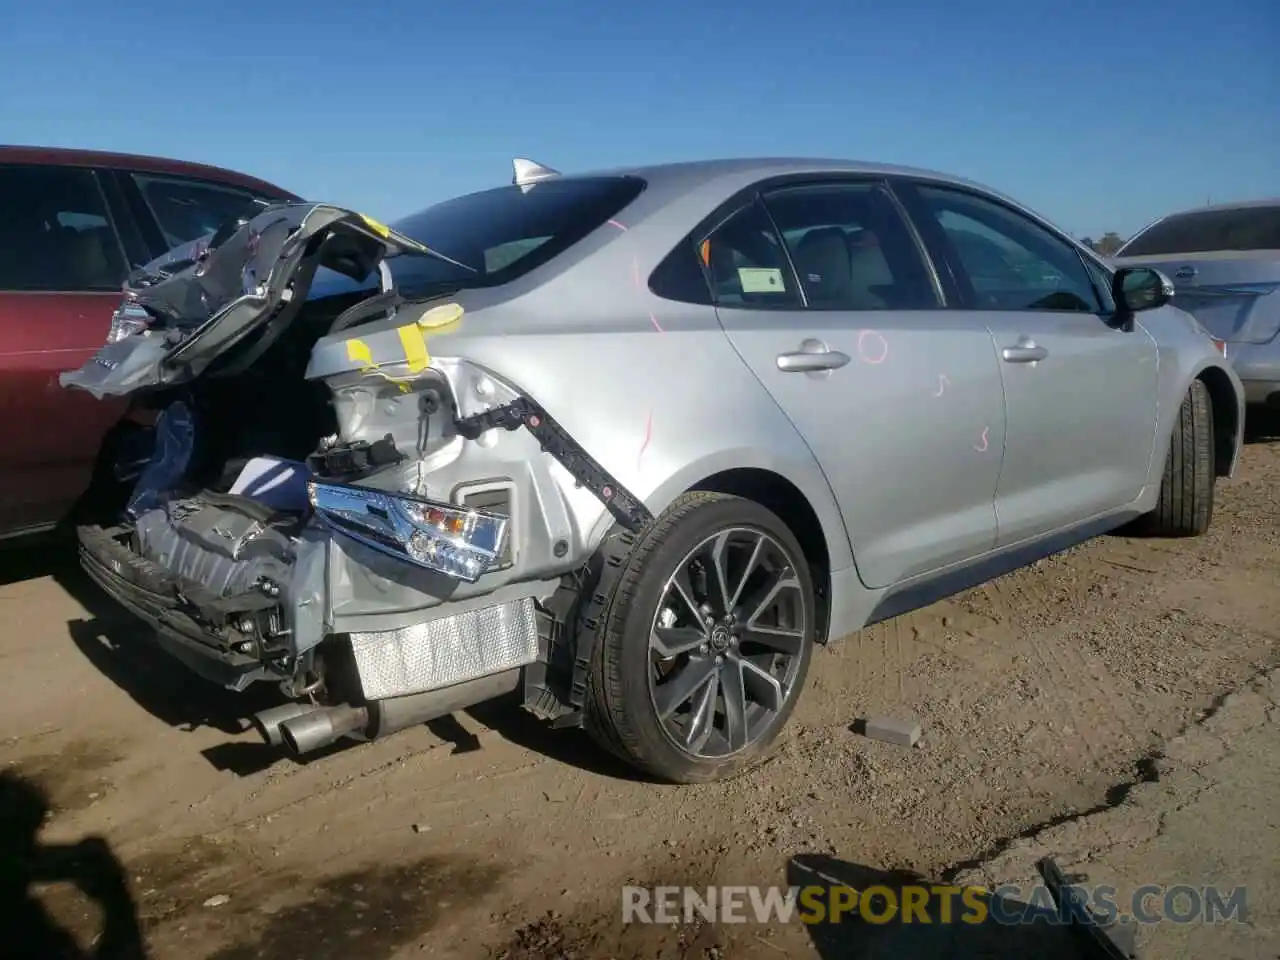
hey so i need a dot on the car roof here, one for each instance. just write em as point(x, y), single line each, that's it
point(68, 157)
point(682, 176)
point(699, 172)
point(1225, 207)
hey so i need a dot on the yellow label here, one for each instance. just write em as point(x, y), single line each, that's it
point(380, 229)
point(358, 351)
point(415, 347)
point(413, 338)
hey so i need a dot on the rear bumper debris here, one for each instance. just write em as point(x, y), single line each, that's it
point(184, 616)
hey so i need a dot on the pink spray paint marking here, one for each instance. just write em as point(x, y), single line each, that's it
point(635, 272)
point(983, 447)
point(943, 383)
point(656, 325)
point(868, 351)
point(615, 223)
point(648, 435)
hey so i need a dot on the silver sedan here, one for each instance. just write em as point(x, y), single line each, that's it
point(630, 444)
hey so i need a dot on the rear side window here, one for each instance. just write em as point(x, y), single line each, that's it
point(504, 233)
point(746, 262)
point(850, 247)
point(1247, 228)
point(55, 232)
point(186, 209)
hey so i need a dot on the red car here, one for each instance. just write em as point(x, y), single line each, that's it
point(72, 224)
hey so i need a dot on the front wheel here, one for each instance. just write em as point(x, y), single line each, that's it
point(706, 642)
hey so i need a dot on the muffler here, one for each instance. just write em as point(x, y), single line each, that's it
point(321, 727)
point(396, 713)
point(267, 723)
point(302, 728)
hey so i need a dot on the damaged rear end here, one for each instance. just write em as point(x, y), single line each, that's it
point(333, 505)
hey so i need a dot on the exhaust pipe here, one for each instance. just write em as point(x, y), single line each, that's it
point(267, 723)
point(321, 727)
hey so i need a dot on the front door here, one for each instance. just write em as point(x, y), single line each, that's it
point(839, 317)
point(1080, 393)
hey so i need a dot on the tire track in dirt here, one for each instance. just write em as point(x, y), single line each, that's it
point(559, 827)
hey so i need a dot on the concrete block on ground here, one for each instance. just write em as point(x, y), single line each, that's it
point(901, 732)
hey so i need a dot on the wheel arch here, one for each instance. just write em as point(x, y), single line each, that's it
point(1227, 422)
point(784, 499)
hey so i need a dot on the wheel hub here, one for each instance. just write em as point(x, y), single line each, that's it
point(721, 638)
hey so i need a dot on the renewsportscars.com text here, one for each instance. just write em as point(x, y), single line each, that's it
point(927, 904)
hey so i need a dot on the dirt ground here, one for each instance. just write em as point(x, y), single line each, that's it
point(1043, 695)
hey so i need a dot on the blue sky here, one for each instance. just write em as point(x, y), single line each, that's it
point(1099, 115)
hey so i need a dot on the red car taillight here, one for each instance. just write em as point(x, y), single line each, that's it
point(126, 321)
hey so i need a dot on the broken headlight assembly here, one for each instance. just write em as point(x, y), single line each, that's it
point(456, 541)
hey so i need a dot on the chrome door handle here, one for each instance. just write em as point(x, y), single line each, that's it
point(1024, 353)
point(804, 362)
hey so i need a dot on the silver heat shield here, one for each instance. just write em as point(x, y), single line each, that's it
point(439, 653)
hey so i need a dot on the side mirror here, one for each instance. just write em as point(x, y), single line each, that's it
point(1140, 288)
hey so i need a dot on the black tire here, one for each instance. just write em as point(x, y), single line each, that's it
point(1185, 507)
point(621, 711)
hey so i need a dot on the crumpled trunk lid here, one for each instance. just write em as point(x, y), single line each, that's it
point(221, 300)
point(1233, 294)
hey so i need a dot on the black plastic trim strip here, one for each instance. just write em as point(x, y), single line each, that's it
point(626, 508)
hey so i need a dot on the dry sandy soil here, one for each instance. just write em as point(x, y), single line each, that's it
point(1042, 695)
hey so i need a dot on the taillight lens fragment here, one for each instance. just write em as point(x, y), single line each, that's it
point(128, 319)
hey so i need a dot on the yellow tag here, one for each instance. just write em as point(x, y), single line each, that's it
point(415, 347)
point(380, 229)
point(358, 351)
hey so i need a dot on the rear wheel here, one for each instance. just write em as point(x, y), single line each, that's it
point(1185, 507)
point(706, 643)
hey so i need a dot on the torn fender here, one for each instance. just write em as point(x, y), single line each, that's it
point(199, 301)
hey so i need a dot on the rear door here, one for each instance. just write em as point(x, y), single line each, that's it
point(61, 268)
point(825, 293)
point(1080, 393)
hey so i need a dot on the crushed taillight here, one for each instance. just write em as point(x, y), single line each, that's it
point(1221, 345)
point(128, 319)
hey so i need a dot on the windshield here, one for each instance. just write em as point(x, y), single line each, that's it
point(1243, 228)
point(506, 232)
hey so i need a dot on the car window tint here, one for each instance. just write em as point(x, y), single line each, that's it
point(680, 276)
point(187, 209)
point(505, 232)
point(1011, 262)
point(505, 254)
point(851, 248)
point(1243, 228)
point(746, 263)
point(55, 231)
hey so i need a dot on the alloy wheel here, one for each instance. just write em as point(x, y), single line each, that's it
point(726, 643)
